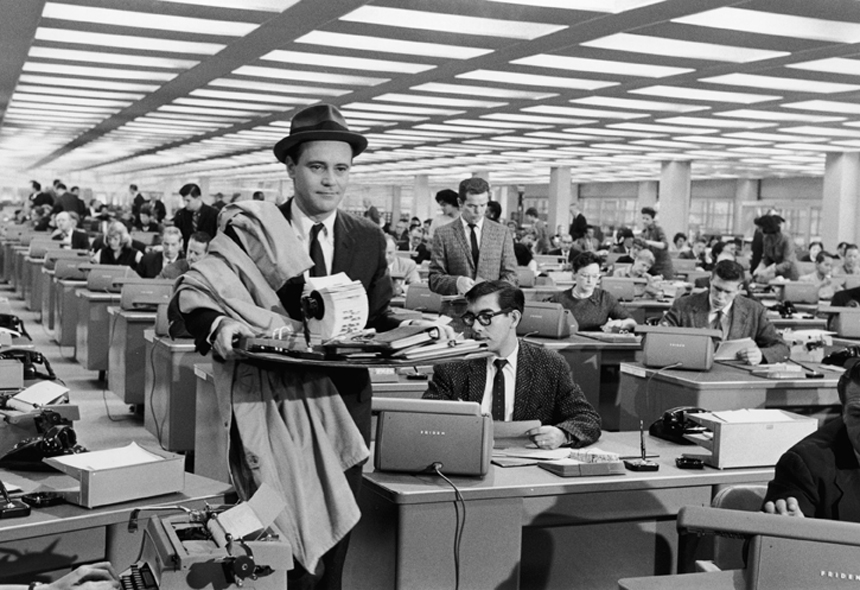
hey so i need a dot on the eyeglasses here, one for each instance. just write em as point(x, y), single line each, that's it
point(485, 318)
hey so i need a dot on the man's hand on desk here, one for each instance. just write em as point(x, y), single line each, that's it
point(547, 437)
point(787, 507)
point(225, 332)
point(97, 576)
point(751, 355)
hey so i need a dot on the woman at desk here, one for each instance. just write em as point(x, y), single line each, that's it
point(642, 263)
point(593, 308)
point(117, 249)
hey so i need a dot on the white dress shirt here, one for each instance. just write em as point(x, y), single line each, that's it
point(479, 226)
point(724, 321)
point(303, 224)
point(510, 372)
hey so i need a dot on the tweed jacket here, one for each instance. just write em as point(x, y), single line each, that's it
point(451, 256)
point(822, 472)
point(544, 390)
point(748, 320)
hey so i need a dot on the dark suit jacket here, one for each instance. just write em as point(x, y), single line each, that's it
point(544, 391)
point(846, 298)
point(70, 202)
point(822, 472)
point(208, 222)
point(748, 320)
point(80, 240)
point(571, 254)
point(451, 256)
point(151, 264)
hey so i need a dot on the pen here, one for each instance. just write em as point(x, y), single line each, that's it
point(642, 439)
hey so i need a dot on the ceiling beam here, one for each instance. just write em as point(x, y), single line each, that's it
point(17, 30)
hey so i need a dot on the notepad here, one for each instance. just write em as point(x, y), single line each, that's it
point(729, 349)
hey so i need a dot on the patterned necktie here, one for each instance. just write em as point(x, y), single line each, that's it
point(318, 269)
point(195, 221)
point(717, 324)
point(499, 391)
point(474, 244)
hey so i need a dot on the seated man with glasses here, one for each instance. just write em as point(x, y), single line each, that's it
point(520, 381)
point(721, 307)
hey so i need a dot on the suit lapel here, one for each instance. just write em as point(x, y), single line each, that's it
point(476, 380)
point(700, 312)
point(738, 321)
point(343, 244)
point(460, 236)
point(524, 377)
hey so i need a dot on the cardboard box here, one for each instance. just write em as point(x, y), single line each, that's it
point(11, 374)
point(123, 483)
point(749, 438)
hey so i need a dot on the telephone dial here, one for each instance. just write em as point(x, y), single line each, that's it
point(674, 424)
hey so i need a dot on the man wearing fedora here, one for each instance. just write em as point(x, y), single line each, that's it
point(318, 154)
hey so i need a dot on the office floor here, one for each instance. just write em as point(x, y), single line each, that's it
point(106, 421)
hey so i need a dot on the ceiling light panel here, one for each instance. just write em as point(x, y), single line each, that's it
point(599, 66)
point(784, 84)
point(379, 44)
point(638, 105)
point(830, 65)
point(486, 91)
point(538, 119)
point(771, 23)
point(243, 84)
point(251, 97)
point(93, 72)
point(146, 20)
point(439, 101)
point(33, 89)
point(826, 106)
point(103, 57)
point(127, 41)
point(711, 122)
point(445, 23)
point(346, 62)
point(662, 128)
point(823, 131)
point(577, 112)
point(87, 83)
point(52, 99)
point(535, 80)
point(777, 116)
point(262, 5)
point(308, 76)
point(367, 106)
point(708, 95)
point(676, 48)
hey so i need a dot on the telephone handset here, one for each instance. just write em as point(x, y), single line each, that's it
point(30, 358)
point(55, 437)
point(13, 323)
point(674, 424)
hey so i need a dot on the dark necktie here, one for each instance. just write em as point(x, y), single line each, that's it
point(499, 391)
point(717, 324)
point(195, 221)
point(318, 269)
point(474, 244)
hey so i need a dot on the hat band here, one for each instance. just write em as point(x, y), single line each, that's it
point(321, 126)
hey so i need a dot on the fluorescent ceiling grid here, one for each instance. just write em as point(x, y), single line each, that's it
point(439, 101)
point(484, 91)
point(529, 140)
point(823, 131)
point(33, 89)
point(444, 23)
point(757, 136)
point(377, 44)
point(278, 102)
point(386, 108)
point(777, 116)
point(308, 76)
point(668, 144)
point(459, 128)
point(784, 84)
point(537, 119)
point(262, 5)
point(636, 104)
point(771, 23)
point(720, 123)
point(226, 104)
point(599, 66)
point(146, 20)
point(614, 132)
point(346, 62)
point(69, 100)
point(718, 140)
point(127, 41)
point(87, 83)
point(578, 112)
point(243, 84)
point(825, 106)
point(698, 94)
point(494, 124)
point(97, 72)
point(536, 80)
point(674, 48)
point(225, 113)
point(831, 65)
point(662, 128)
point(104, 57)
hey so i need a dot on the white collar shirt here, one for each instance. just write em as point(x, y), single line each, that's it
point(303, 224)
point(479, 227)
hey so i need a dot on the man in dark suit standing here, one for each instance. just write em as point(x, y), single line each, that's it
point(195, 215)
point(318, 154)
point(819, 477)
point(68, 201)
point(723, 308)
point(520, 381)
point(67, 234)
point(472, 248)
point(171, 246)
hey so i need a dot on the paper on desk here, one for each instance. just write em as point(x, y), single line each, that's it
point(532, 453)
point(752, 415)
point(728, 349)
point(247, 518)
point(131, 454)
point(512, 434)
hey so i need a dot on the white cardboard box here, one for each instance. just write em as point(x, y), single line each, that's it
point(123, 483)
point(749, 438)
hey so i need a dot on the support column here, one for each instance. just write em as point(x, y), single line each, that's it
point(674, 197)
point(422, 202)
point(647, 194)
point(395, 204)
point(203, 183)
point(559, 198)
point(746, 190)
point(839, 212)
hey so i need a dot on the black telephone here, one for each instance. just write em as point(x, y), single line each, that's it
point(30, 358)
point(56, 437)
point(841, 356)
point(674, 424)
point(14, 323)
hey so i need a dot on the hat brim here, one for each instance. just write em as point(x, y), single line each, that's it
point(357, 141)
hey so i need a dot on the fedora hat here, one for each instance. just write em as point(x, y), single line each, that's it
point(322, 122)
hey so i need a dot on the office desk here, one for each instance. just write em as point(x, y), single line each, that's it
point(797, 323)
point(34, 282)
point(727, 580)
point(645, 309)
point(65, 535)
point(208, 427)
point(526, 527)
point(66, 312)
point(20, 281)
point(594, 365)
point(170, 390)
point(48, 288)
point(127, 358)
point(93, 329)
point(644, 394)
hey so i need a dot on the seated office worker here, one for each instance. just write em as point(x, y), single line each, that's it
point(593, 308)
point(722, 307)
point(520, 381)
point(819, 477)
point(304, 432)
point(472, 248)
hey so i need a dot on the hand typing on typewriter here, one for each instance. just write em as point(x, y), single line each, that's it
point(786, 507)
point(96, 576)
